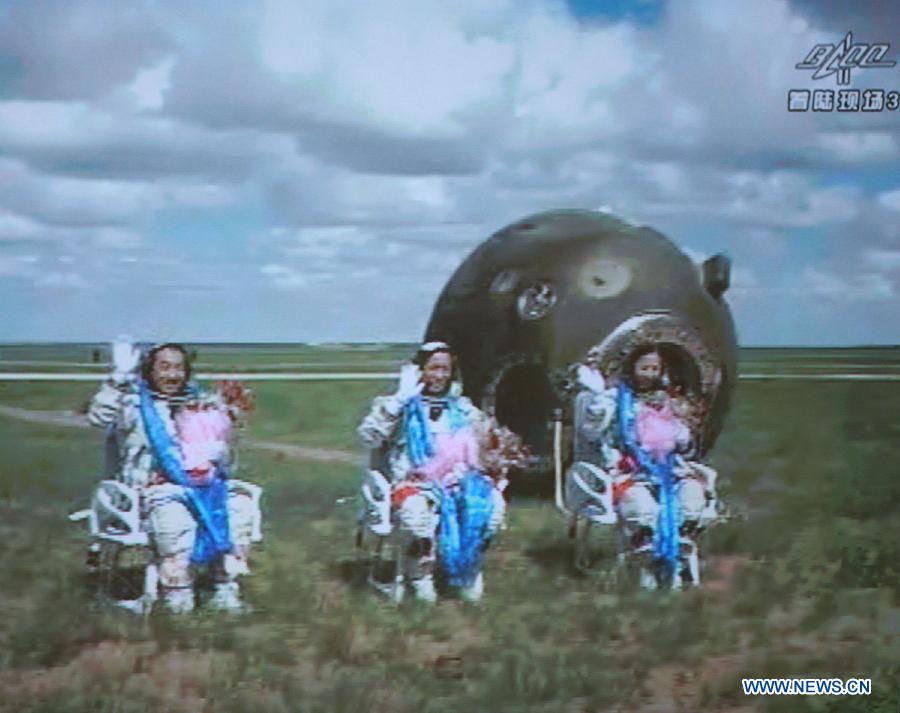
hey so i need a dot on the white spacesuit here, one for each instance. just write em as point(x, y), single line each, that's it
point(166, 509)
point(418, 481)
point(635, 492)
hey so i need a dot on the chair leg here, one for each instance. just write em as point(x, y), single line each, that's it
point(692, 560)
point(582, 545)
point(109, 566)
point(374, 560)
point(393, 589)
point(151, 586)
point(399, 581)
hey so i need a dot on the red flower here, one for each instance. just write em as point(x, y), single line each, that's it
point(627, 463)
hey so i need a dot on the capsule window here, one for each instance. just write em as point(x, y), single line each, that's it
point(536, 300)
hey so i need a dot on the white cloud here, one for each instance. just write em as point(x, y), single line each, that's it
point(17, 227)
point(696, 256)
point(17, 265)
point(788, 199)
point(820, 283)
point(36, 206)
point(500, 78)
point(74, 201)
point(195, 194)
point(449, 71)
point(149, 86)
point(887, 260)
point(312, 193)
point(112, 237)
point(567, 78)
point(30, 267)
point(743, 278)
point(61, 280)
point(890, 199)
point(76, 49)
point(323, 244)
point(859, 146)
point(667, 176)
point(283, 277)
point(82, 138)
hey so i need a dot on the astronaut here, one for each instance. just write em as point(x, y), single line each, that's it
point(445, 501)
point(172, 444)
point(640, 436)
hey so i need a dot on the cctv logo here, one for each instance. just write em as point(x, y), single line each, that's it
point(839, 59)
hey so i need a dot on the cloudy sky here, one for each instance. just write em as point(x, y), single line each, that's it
point(315, 170)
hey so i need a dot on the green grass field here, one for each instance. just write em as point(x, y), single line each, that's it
point(802, 581)
point(94, 358)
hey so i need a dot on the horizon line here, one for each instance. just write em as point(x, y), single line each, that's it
point(11, 343)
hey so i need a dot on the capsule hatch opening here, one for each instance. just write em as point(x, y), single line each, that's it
point(524, 401)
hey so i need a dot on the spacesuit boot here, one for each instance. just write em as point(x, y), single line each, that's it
point(226, 597)
point(423, 588)
point(474, 591)
point(179, 600)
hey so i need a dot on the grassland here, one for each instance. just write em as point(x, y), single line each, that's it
point(802, 581)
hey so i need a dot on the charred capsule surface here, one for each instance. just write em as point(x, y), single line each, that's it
point(538, 296)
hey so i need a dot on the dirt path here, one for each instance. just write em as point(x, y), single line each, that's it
point(73, 419)
point(54, 418)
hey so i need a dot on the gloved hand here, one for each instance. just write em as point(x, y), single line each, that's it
point(591, 379)
point(126, 358)
point(410, 384)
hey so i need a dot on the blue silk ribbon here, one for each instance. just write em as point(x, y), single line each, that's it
point(465, 510)
point(207, 503)
point(666, 541)
point(419, 444)
point(465, 515)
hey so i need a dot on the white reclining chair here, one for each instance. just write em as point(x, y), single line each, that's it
point(120, 544)
point(375, 522)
